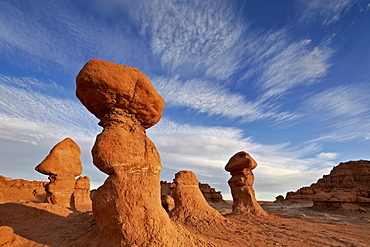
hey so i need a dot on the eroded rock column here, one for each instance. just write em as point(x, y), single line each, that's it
point(127, 208)
point(240, 167)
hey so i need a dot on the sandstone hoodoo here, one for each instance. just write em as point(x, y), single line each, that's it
point(240, 167)
point(62, 165)
point(191, 208)
point(127, 207)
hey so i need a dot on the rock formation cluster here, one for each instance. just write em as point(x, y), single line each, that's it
point(62, 165)
point(351, 177)
point(240, 167)
point(18, 190)
point(127, 207)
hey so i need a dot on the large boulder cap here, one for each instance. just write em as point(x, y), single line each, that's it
point(102, 86)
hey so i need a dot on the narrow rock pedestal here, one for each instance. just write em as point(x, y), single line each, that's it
point(240, 167)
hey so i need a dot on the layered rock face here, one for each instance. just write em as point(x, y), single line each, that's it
point(240, 167)
point(127, 207)
point(62, 165)
point(351, 176)
point(191, 208)
point(15, 190)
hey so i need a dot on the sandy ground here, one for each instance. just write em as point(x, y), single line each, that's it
point(40, 224)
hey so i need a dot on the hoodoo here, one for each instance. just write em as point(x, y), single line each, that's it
point(127, 207)
point(62, 165)
point(240, 167)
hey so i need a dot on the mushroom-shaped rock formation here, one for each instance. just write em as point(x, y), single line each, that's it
point(62, 165)
point(127, 207)
point(81, 194)
point(240, 167)
point(191, 208)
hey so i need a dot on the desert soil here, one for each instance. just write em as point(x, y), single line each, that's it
point(41, 224)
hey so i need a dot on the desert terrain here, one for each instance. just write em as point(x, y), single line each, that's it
point(43, 224)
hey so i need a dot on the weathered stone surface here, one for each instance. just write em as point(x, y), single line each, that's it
point(81, 194)
point(127, 207)
point(62, 165)
point(16, 190)
point(103, 85)
point(352, 176)
point(191, 208)
point(64, 158)
point(209, 193)
point(244, 200)
point(60, 189)
point(168, 203)
point(6, 235)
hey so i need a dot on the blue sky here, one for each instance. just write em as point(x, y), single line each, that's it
point(286, 81)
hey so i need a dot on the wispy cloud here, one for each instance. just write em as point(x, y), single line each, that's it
point(206, 150)
point(18, 100)
point(282, 64)
point(200, 37)
point(209, 98)
point(325, 10)
point(345, 110)
point(53, 35)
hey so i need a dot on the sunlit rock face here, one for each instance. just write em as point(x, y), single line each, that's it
point(127, 207)
point(62, 165)
point(240, 167)
point(351, 176)
point(191, 208)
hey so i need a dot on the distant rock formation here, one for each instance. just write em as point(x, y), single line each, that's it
point(209, 193)
point(191, 208)
point(81, 194)
point(127, 207)
point(351, 176)
point(18, 190)
point(62, 165)
point(240, 167)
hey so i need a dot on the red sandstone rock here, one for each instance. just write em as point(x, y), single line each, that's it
point(104, 85)
point(64, 158)
point(191, 208)
point(352, 176)
point(6, 235)
point(62, 165)
point(244, 200)
point(127, 207)
point(15, 190)
point(81, 194)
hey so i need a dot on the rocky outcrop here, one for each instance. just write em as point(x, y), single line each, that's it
point(127, 207)
point(62, 165)
point(191, 208)
point(6, 235)
point(18, 190)
point(352, 177)
point(81, 194)
point(240, 167)
point(209, 193)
